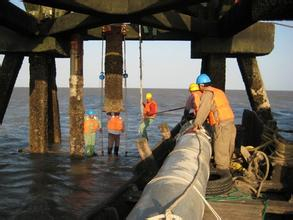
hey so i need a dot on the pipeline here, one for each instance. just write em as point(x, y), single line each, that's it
point(179, 187)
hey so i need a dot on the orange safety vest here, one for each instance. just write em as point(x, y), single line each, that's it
point(90, 126)
point(223, 111)
point(115, 123)
point(196, 95)
point(147, 109)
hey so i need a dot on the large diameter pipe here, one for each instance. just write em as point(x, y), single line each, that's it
point(184, 174)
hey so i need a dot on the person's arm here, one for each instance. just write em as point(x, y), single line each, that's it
point(152, 110)
point(205, 105)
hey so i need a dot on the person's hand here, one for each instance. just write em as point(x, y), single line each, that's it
point(196, 127)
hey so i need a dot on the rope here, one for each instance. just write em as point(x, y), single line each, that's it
point(168, 212)
point(102, 95)
point(170, 110)
point(125, 95)
point(140, 70)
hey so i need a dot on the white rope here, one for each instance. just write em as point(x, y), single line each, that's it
point(125, 96)
point(140, 69)
point(184, 180)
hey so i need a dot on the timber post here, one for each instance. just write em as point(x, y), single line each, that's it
point(255, 88)
point(215, 66)
point(8, 73)
point(113, 101)
point(76, 108)
point(38, 108)
point(54, 132)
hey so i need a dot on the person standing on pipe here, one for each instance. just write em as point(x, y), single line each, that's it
point(115, 127)
point(192, 102)
point(215, 106)
point(149, 114)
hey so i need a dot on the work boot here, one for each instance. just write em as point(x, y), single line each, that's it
point(116, 149)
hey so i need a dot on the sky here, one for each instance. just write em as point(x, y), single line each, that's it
point(167, 64)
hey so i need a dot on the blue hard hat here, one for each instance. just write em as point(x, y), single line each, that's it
point(90, 112)
point(203, 79)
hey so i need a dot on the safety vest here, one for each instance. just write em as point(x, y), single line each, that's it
point(90, 125)
point(115, 123)
point(147, 109)
point(223, 111)
point(196, 95)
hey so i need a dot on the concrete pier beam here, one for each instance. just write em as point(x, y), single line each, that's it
point(38, 104)
point(76, 108)
point(8, 73)
point(113, 101)
point(215, 66)
point(54, 132)
point(255, 88)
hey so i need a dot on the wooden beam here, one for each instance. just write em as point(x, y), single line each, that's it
point(13, 42)
point(8, 74)
point(16, 19)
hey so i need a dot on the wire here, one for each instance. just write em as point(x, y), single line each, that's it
point(125, 95)
point(284, 25)
point(140, 70)
point(102, 96)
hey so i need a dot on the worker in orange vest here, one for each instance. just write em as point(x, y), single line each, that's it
point(215, 106)
point(115, 127)
point(192, 102)
point(91, 125)
point(150, 109)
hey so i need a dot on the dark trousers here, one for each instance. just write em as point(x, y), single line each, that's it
point(113, 139)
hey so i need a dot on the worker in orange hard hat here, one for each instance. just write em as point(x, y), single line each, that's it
point(149, 114)
point(215, 106)
point(192, 102)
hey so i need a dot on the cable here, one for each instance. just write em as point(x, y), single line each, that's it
point(140, 70)
point(102, 77)
point(284, 25)
point(125, 76)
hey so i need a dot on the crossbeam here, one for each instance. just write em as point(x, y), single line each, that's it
point(16, 19)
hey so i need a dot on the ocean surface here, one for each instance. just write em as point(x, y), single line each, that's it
point(54, 186)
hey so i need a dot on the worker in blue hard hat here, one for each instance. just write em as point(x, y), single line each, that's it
point(91, 125)
point(215, 106)
point(150, 109)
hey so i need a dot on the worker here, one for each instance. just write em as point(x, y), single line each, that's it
point(91, 125)
point(215, 107)
point(115, 127)
point(192, 102)
point(150, 109)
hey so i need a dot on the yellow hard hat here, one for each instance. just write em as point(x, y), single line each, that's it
point(193, 87)
point(148, 95)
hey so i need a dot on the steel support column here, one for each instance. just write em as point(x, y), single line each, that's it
point(255, 88)
point(113, 69)
point(215, 67)
point(38, 109)
point(76, 108)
